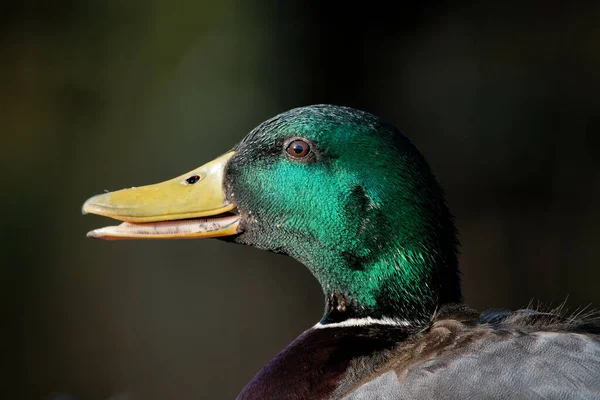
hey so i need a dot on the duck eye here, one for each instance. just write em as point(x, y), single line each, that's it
point(193, 179)
point(298, 149)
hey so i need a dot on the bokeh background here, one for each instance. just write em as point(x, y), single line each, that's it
point(95, 95)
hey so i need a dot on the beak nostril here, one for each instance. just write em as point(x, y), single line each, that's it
point(193, 179)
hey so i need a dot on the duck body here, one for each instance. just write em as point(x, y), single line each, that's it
point(458, 355)
point(351, 198)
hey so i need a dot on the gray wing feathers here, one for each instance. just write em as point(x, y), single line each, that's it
point(498, 365)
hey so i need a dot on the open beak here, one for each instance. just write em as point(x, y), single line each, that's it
point(192, 205)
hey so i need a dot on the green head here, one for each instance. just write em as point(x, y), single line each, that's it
point(361, 209)
point(338, 189)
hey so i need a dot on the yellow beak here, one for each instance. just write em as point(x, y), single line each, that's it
point(192, 205)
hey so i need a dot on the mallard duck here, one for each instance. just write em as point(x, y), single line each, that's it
point(351, 198)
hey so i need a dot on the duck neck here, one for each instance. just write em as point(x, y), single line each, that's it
point(402, 288)
point(390, 278)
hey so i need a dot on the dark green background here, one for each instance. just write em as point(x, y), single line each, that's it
point(94, 95)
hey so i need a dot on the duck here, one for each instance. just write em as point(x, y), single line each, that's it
point(349, 196)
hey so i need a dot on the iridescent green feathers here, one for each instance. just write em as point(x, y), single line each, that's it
point(362, 211)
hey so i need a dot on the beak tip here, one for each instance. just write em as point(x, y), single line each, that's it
point(93, 234)
point(92, 204)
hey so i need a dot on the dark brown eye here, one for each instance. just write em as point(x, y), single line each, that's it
point(298, 149)
point(193, 179)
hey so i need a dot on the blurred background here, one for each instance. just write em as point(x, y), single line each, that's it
point(94, 95)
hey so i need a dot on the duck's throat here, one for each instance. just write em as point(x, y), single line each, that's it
point(402, 288)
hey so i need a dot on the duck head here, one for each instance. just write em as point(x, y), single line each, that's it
point(338, 189)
